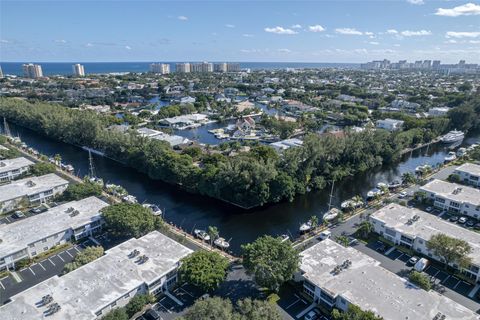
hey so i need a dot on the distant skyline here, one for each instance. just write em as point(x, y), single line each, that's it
point(300, 31)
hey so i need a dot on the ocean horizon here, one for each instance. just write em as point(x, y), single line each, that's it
point(65, 68)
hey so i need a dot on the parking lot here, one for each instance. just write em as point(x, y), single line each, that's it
point(294, 305)
point(36, 273)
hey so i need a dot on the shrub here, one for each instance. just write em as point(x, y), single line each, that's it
point(420, 279)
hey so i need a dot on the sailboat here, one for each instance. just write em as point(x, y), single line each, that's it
point(91, 171)
point(332, 213)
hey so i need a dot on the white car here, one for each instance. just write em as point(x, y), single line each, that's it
point(429, 209)
point(325, 235)
point(312, 315)
point(462, 220)
point(412, 260)
point(402, 194)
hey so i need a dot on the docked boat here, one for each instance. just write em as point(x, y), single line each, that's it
point(284, 237)
point(305, 227)
point(461, 152)
point(394, 184)
point(350, 204)
point(453, 136)
point(221, 243)
point(331, 214)
point(129, 199)
point(201, 234)
point(69, 168)
point(373, 193)
point(382, 185)
point(450, 156)
point(472, 147)
point(423, 169)
point(156, 211)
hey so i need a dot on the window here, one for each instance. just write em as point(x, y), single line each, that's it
point(390, 232)
point(48, 192)
point(114, 304)
point(420, 241)
point(98, 313)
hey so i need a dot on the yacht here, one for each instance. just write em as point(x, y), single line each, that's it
point(450, 156)
point(129, 199)
point(453, 136)
point(422, 169)
point(156, 211)
point(382, 185)
point(472, 147)
point(461, 152)
point(331, 214)
point(350, 204)
point(221, 243)
point(202, 234)
point(284, 237)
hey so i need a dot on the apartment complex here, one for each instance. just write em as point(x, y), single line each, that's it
point(413, 228)
point(469, 173)
point(78, 70)
point(201, 67)
point(12, 168)
point(337, 276)
point(453, 197)
point(182, 67)
point(29, 237)
point(32, 71)
point(207, 67)
point(160, 68)
point(32, 190)
point(138, 266)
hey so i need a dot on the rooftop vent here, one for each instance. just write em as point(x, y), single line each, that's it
point(142, 259)
point(30, 183)
point(47, 299)
point(457, 190)
point(439, 316)
point(134, 253)
point(54, 308)
point(70, 209)
point(3, 164)
point(339, 268)
point(74, 213)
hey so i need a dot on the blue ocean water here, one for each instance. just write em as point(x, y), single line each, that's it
point(65, 68)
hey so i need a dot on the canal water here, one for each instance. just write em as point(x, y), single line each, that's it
point(190, 211)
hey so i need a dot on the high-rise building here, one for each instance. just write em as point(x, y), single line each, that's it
point(161, 68)
point(220, 67)
point(427, 64)
point(435, 64)
point(182, 67)
point(1, 72)
point(78, 70)
point(233, 67)
point(201, 67)
point(32, 71)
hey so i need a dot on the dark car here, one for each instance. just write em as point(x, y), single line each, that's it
point(37, 210)
point(18, 215)
point(151, 314)
point(382, 248)
point(453, 218)
point(470, 223)
point(477, 226)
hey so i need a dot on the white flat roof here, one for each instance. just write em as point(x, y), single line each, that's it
point(397, 217)
point(374, 288)
point(185, 118)
point(14, 164)
point(23, 187)
point(18, 235)
point(470, 168)
point(95, 285)
point(453, 191)
point(287, 143)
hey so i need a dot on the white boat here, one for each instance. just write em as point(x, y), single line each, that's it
point(472, 147)
point(422, 169)
point(96, 180)
point(201, 234)
point(453, 136)
point(305, 227)
point(382, 185)
point(285, 237)
point(450, 156)
point(221, 243)
point(374, 192)
point(331, 214)
point(394, 184)
point(350, 204)
point(129, 199)
point(461, 152)
point(69, 168)
point(156, 211)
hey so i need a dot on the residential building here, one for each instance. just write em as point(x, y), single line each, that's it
point(187, 121)
point(32, 71)
point(1, 72)
point(413, 228)
point(390, 124)
point(182, 67)
point(12, 168)
point(286, 144)
point(138, 266)
point(30, 237)
point(220, 67)
point(78, 70)
point(160, 68)
point(32, 190)
point(201, 67)
point(438, 111)
point(233, 67)
point(453, 197)
point(469, 173)
point(405, 105)
point(173, 140)
point(338, 276)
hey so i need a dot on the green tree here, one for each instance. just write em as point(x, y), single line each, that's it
point(249, 309)
point(354, 313)
point(84, 257)
point(210, 309)
point(271, 261)
point(130, 220)
point(408, 178)
point(420, 279)
point(42, 168)
point(205, 269)
point(314, 221)
point(343, 240)
point(455, 178)
point(116, 314)
point(450, 250)
point(213, 233)
point(137, 303)
point(364, 229)
point(80, 191)
point(57, 158)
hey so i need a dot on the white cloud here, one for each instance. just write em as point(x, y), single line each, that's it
point(182, 18)
point(396, 45)
point(284, 50)
point(4, 41)
point(419, 33)
point(417, 2)
point(468, 9)
point(128, 47)
point(316, 28)
point(230, 26)
point(280, 30)
point(464, 34)
point(451, 41)
point(375, 43)
point(247, 35)
point(296, 26)
point(349, 31)
point(392, 31)
point(474, 41)
point(361, 51)
point(89, 45)
point(60, 41)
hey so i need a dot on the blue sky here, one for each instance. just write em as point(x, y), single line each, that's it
point(303, 31)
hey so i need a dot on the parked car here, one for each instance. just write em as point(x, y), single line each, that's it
point(421, 264)
point(382, 248)
point(477, 226)
point(402, 195)
point(312, 315)
point(412, 260)
point(462, 220)
point(324, 235)
point(151, 314)
point(470, 223)
point(429, 209)
point(18, 215)
point(453, 218)
point(352, 241)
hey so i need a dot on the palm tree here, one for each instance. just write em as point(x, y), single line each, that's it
point(364, 229)
point(58, 159)
point(357, 200)
point(314, 221)
point(213, 233)
point(408, 178)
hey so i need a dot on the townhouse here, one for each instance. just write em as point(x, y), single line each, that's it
point(11, 169)
point(469, 173)
point(138, 266)
point(32, 236)
point(413, 228)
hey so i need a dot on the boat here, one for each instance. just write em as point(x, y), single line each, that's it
point(472, 147)
point(461, 152)
point(221, 243)
point(382, 185)
point(423, 169)
point(201, 234)
point(394, 184)
point(450, 156)
point(351, 204)
point(453, 136)
point(91, 171)
point(284, 237)
point(373, 193)
point(129, 199)
point(69, 168)
point(331, 214)
point(305, 227)
point(156, 211)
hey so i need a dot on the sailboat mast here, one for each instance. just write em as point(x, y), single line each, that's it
point(90, 160)
point(6, 128)
point(331, 196)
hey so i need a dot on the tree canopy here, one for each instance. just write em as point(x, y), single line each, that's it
point(451, 250)
point(130, 220)
point(271, 261)
point(116, 314)
point(205, 269)
point(80, 191)
point(42, 168)
point(354, 313)
point(84, 257)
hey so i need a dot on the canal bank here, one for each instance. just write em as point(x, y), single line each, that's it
point(189, 211)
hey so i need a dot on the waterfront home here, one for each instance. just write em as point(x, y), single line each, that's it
point(147, 265)
point(185, 121)
point(30, 237)
point(286, 144)
point(390, 124)
point(13, 168)
point(30, 191)
point(413, 228)
point(173, 140)
point(335, 276)
point(438, 111)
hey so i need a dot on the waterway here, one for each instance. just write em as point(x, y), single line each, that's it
point(192, 211)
